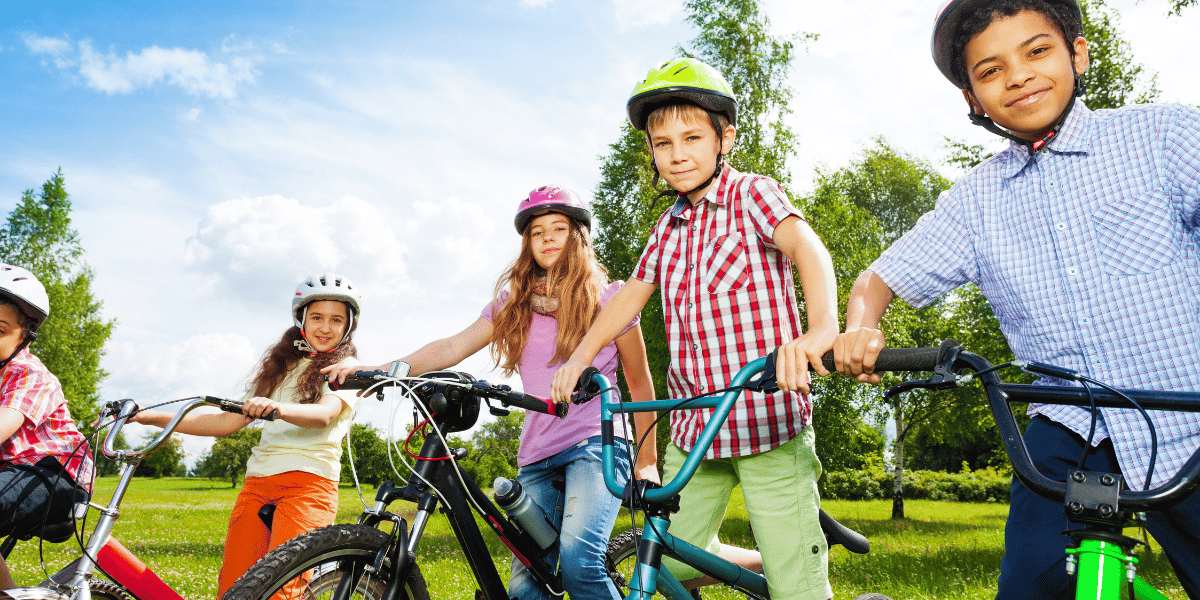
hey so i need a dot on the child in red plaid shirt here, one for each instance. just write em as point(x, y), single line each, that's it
point(43, 457)
point(723, 258)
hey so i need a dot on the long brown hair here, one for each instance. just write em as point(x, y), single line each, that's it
point(279, 359)
point(577, 279)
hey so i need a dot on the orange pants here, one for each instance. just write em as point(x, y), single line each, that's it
point(303, 502)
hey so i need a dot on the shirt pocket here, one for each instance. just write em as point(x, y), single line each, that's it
point(726, 267)
point(1137, 235)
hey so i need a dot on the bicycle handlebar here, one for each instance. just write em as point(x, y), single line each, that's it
point(123, 409)
point(360, 380)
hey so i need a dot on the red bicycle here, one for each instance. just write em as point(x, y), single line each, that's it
point(129, 577)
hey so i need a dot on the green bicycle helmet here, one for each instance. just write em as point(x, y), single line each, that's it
point(681, 79)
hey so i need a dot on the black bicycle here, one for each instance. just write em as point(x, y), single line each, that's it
point(370, 561)
point(1102, 559)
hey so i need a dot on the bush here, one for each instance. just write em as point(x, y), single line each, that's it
point(873, 482)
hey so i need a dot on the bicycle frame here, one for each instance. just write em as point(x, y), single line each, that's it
point(656, 541)
point(455, 498)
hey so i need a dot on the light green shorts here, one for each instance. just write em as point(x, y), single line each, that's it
point(780, 488)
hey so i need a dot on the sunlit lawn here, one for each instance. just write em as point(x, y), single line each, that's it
point(943, 550)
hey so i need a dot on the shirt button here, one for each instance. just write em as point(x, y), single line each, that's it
point(693, 227)
point(1060, 226)
point(695, 346)
point(1072, 271)
point(1085, 321)
point(689, 304)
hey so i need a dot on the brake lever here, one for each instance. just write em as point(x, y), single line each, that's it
point(584, 389)
point(943, 377)
point(766, 380)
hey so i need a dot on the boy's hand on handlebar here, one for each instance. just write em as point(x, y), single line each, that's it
point(793, 358)
point(856, 351)
point(565, 380)
point(647, 472)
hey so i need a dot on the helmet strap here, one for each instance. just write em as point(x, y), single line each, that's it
point(1035, 146)
point(24, 344)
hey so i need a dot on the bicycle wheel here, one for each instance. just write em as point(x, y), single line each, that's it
point(325, 555)
point(103, 589)
point(620, 558)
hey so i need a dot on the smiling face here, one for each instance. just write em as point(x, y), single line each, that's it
point(325, 324)
point(1022, 73)
point(548, 235)
point(685, 149)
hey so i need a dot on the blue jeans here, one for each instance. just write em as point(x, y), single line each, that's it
point(1034, 564)
point(584, 514)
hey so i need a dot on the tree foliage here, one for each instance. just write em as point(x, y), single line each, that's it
point(166, 461)
point(39, 237)
point(369, 451)
point(1113, 78)
point(492, 449)
point(228, 455)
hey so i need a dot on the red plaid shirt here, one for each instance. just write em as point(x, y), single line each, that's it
point(728, 298)
point(29, 388)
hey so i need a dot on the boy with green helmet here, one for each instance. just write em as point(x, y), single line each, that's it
point(1083, 237)
point(723, 256)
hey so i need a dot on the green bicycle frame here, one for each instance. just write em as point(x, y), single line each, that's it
point(1103, 572)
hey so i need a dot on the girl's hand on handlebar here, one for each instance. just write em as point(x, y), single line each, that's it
point(647, 472)
point(856, 351)
point(259, 407)
point(339, 373)
point(793, 359)
point(565, 380)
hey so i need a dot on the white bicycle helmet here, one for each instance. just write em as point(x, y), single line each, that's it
point(23, 288)
point(325, 287)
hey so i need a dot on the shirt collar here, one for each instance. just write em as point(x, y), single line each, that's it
point(682, 209)
point(1073, 137)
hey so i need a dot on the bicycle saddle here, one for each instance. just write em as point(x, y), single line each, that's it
point(836, 533)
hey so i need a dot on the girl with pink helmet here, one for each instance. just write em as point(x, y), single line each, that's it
point(542, 306)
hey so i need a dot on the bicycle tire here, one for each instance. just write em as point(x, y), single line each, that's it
point(617, 557)
point(323, 550)
point(103, 589)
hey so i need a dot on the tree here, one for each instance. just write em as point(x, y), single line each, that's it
point(370, 455)
point(733, 38)
point(39, 237)
point(1178, 5)
point(228, 455)
point(492, 450)
point(167, 461)
point(1113, 79)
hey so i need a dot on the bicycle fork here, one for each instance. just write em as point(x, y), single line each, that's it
point(1102, 568)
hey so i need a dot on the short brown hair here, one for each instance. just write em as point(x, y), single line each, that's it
point(688, 113)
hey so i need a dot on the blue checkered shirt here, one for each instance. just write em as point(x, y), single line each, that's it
point(1090, 257)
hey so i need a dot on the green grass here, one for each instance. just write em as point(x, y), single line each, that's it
point(943, 550)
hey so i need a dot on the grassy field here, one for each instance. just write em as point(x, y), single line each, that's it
point(944, 549)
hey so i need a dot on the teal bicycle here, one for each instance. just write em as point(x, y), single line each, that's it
point(635, 557)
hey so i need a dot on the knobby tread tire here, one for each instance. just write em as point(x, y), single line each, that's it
point(103, 589)
point(324, 546)
point(619, 549)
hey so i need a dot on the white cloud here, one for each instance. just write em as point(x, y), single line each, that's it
point(632, 14)
point(249, 248)
point(233, 44)
point(191, 70)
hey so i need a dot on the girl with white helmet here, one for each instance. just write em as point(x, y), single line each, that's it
point(542, 306)
point(296, 465)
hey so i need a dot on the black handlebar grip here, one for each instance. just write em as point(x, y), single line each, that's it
point(236, 406)
point(897, 359)
point(358, 380)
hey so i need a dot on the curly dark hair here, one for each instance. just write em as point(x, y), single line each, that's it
point(1058, 13)
point(280, 358)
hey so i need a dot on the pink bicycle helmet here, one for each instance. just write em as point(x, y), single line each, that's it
point(552, 198)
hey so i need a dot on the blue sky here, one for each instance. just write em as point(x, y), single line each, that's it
point(218, 152)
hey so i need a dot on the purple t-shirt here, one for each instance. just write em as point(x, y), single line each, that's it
point(542, 435)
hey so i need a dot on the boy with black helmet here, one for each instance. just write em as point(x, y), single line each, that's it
point(44, 462)
point(722, 256)
point(1083, 236)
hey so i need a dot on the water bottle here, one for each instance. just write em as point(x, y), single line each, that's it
point(520, 508)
